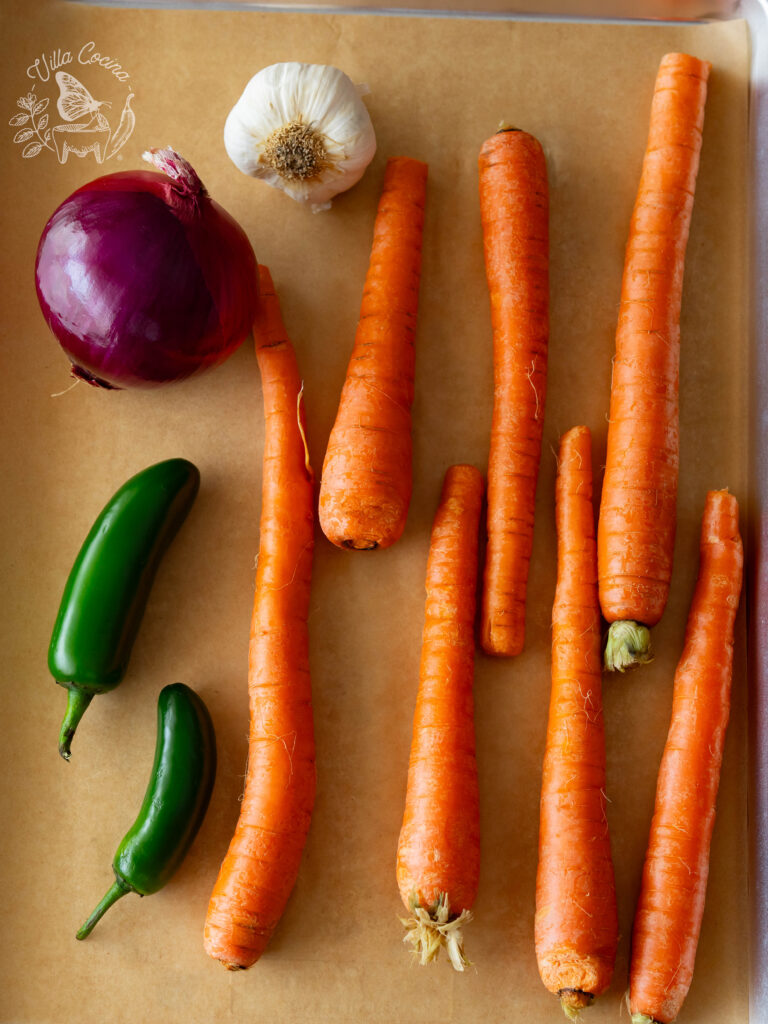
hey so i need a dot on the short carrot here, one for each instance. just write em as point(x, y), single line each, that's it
point(636, 528)
point(514, 208)
point(367, 474)
point(576, 925)
point(671, 902)
point(438, 853)
point(262, 863)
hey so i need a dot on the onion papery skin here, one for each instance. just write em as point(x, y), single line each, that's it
point(145, 280)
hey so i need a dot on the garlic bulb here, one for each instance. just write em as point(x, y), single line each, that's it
point(302, 128)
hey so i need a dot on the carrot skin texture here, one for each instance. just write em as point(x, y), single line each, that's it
point(438, 853)
point(514, 208)
point(636, 528)
point(671, 902)
point(260, 868)
point(576, 924)
point(367, 472)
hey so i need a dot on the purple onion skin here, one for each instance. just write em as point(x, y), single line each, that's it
point(145, 280)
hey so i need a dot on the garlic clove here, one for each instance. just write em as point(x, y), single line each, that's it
point(302, 128)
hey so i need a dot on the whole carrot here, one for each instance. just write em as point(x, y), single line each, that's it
point(636, 529)
point(576, 926)
point(367, 476)
point(261, 865)
point(514, 208)
point(438, 853)
point(674, 882)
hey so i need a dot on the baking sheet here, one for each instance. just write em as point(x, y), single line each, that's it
point(584, 90)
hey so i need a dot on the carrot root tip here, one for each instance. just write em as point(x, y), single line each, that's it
point(302, 432)
point(429, 931)
point(628, 644)
point(573, 1001)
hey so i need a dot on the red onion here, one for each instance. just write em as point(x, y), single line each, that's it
point(143, 278)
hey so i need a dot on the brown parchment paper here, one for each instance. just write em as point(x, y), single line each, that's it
point(438, 87)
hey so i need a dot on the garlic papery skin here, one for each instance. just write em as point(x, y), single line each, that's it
point(302, 128)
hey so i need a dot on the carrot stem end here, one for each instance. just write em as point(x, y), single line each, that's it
point(642, 1018)
point(430, 930)
point(628, 644)
point(573, 1001)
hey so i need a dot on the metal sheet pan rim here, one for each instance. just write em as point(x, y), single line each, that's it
point(609, 11)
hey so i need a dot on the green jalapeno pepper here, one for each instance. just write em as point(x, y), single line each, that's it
point(109, 584)
point(175, 802)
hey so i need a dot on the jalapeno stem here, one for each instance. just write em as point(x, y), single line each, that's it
point(117, 889)
point(77, 702)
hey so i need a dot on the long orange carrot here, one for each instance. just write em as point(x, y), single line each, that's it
point(438, 853)
point(671, 903)
point(636, 529)
point(576, 928)
point(514, 208)
point(261, 865)
point(367, 477)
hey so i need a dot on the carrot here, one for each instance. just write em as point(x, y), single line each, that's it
point(262, 863)
point(576, 925)
point(367, 476)
point(438, 853)
point(514, 208)
point(674, 882)
point(636, 528)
